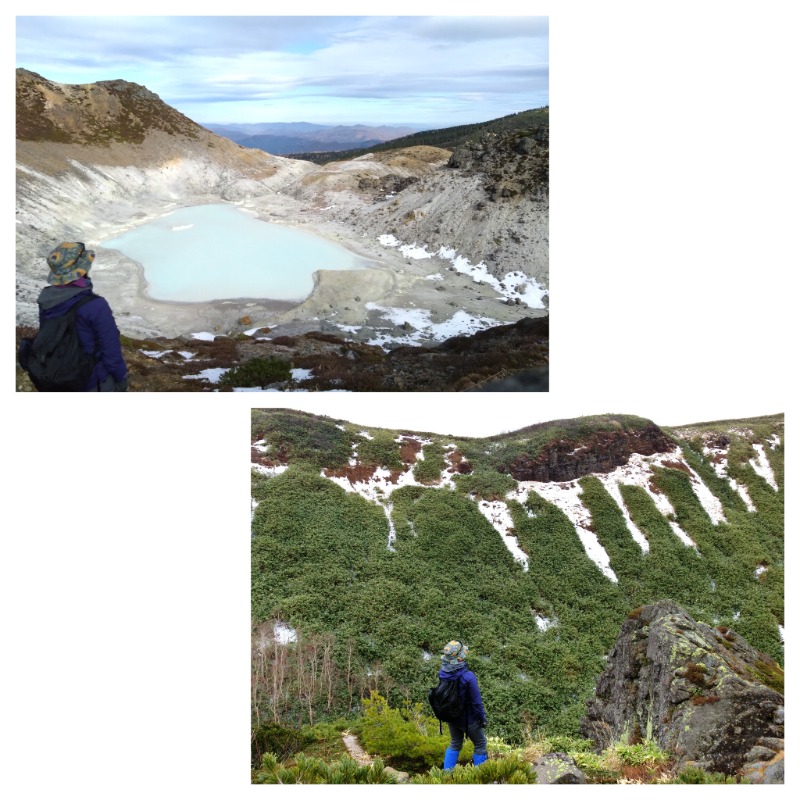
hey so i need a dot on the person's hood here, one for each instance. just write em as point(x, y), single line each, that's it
point(452, 674)
point(53, 296)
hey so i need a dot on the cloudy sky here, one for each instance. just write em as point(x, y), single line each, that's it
point(425, 71)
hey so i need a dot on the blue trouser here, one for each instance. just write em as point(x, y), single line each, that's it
point(474, 732)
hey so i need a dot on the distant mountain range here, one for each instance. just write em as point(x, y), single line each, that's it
point(281, 138)
point(533, 124)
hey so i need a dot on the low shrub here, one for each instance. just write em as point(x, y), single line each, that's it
point(408, 737)
point(283, 742)
point(315, 770)
point(697, 775)
point(502, 770)
point(258, 372)
point(646, 753)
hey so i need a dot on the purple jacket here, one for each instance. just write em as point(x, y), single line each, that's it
point(468, 690)
point(97, 331)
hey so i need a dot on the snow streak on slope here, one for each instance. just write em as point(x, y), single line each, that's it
point(762, 466)
point(718, 453)
point(566, 497)
point(378, 487)
point(637, 472)
point(497, 513)
point(513, 286)
point(717, 450)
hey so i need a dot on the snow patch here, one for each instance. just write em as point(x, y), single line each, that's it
point(424, 329)
point(204, 336)
point(212, 375)
point(284, 634)
point(543, 622)
point(271, 471)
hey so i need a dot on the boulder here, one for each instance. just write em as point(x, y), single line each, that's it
point(557, 768)
point(400, 777)
point(764, 762)
point(702, 694)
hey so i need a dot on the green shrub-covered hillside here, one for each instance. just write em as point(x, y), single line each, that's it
point(372, 548)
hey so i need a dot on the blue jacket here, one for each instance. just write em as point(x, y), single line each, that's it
point(469, 692)
point(97, 331)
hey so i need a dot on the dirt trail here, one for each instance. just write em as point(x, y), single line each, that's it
point(355, 749)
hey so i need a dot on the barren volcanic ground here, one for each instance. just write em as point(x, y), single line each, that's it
point(457, 241)
point(442, 220)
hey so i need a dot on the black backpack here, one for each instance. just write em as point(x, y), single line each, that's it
point(447, 702)
point(54, 358)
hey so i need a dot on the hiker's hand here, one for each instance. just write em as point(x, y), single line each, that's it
point(121, 386)
point(484, 723)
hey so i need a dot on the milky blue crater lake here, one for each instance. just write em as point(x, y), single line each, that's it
point(218, 252)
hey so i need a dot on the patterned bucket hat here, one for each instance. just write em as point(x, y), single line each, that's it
point(68, 262)
point(454, 652)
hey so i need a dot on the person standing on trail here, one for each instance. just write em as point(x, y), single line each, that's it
point(70, 287)
point(473, 723)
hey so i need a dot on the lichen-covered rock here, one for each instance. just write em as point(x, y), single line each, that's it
point(764, 762)
point(702, 693)
point(557, 768)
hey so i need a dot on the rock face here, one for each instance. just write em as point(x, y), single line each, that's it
point(702, 693)
point(510, 166)
point(602, 452)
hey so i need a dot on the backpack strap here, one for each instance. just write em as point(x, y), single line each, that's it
point(82, 302)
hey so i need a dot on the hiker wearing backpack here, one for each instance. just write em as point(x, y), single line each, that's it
point(77, 347)
point(468, 716)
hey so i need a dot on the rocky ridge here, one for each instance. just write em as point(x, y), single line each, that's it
point(599, 453)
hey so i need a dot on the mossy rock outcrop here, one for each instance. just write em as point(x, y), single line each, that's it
point(702, 693)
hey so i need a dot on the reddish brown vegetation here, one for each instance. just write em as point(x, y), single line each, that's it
point(696, 673)
point(699, 700)
point(358, 473)
point(677, 465)
point(409, 449)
